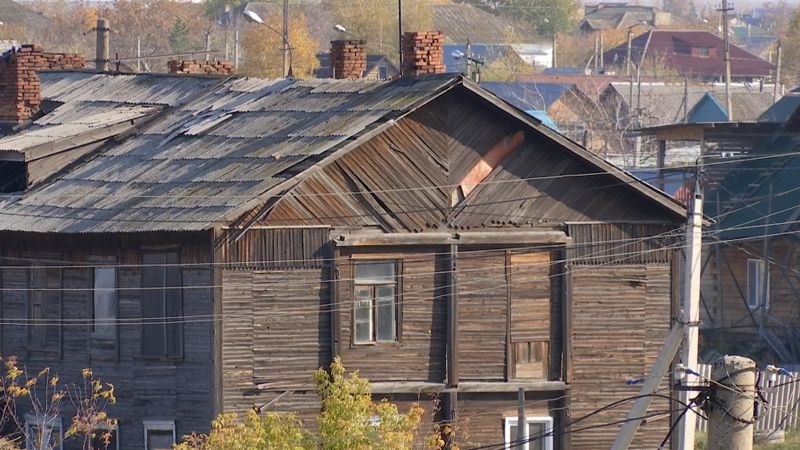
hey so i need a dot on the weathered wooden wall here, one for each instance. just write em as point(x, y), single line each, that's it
point(180, 389)
point(620, 316)
point(731, 320)
point(419, 354)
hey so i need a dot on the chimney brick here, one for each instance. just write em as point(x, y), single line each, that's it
point(423, 53)
point(192, 67)
point(348, 59)
point(20, 90)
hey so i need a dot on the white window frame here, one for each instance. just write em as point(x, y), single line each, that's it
point(547, 441)
point(54, 422)
point(373, 302)
point(158, 425)
point(762, 266)
point(114, 429)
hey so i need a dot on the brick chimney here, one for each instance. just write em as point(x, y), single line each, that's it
point(192, 67)
point(20, 90)
point(348, 59)
point(423, 53)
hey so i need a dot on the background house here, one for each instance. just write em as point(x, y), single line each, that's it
point(621, 15)
point(694, 54)
point(287, 221)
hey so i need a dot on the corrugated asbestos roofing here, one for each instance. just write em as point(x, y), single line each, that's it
point(219, 145)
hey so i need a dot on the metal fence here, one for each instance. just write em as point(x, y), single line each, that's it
point(783, 402)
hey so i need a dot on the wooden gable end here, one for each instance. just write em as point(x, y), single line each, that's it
point(460, 162)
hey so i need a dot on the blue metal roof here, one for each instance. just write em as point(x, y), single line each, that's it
point(782, 110)
point(707, 109)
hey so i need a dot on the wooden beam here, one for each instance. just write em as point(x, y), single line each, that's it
point(508, 237)
point(452, 317)
point(513, 386)
point(681, 133)
point(335, 317)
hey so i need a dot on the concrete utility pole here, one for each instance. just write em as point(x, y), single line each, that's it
point(400, 33)
point(555, 59)
point(521, 421)
point(725, 9)
point(285, 38)
point(685, 100)
point(730, 419)
point(208, 44)
point(777, 74)
point(469, 59)
point(138, 53)
point(630, 44)
point(691, 310)
point(236, 49)
point(102, 50)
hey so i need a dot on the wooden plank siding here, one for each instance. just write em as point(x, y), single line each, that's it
point(620, 317)
point(731, 321)
point(146, 389)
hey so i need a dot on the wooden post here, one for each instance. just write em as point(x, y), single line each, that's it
point(628, 61)
point(208, 45)
point(522, 436)
point(102, 51)
point(555, 59)
point(661, 161)
point(285, 35)
point(730, 420)
point(236, 49)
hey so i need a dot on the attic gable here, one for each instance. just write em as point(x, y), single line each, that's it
point(462, 162)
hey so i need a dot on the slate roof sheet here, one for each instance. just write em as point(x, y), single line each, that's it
point(219, 145)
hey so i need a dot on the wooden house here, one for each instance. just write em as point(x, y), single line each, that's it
point(231, 235)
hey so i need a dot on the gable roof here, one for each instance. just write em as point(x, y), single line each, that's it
point(460, 22)
point(662, 104)
point(529, 96)
point(783, 110)
point(226, 147)
point(675, 47)
point(12, 13)
point(747, 106)
point(607, 16)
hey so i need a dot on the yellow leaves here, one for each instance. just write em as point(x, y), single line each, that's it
point(263, 49)
point(57, 396)
point(53, 380)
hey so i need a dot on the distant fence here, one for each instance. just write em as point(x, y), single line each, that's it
point(782, 402)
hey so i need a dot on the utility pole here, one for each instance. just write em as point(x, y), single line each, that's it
point(630, 44)
point(596, 56)
point(285, 38)
point(685, 100)
point(208, 44)
point(101, 56)
point(555, 60)
point(400, 33)
point(602, 51)
point(730, 419)
point(138, 54)
point(725, 9)
point(236, 49)
point(522, 436)
point(691, 309)
point(469, 60)
point(777, 74)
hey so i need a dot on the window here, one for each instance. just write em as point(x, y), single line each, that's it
point(44, 310)
point(383, 73)
point(704, 52)
point(538, 430)
point(162, 333)
point(375, 309)
point(531, 359)
point(159, 434)
point(757, 283)
point(43, 432)
point(105, 303)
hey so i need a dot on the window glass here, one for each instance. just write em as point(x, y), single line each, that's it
point(43, 435)
point(161, 305)
point(105, 302)
point(363, 315)
point(159, 440)
point(374, 272)
point(757, 283)
point(385, 313)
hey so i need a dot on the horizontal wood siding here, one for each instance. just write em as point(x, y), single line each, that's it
point(420, 352)
point(620, 316)
point(482, 316)
point(179, 390)
point(482, 416)
point(606, 243)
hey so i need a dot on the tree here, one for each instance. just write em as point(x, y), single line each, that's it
point(43, 395)
point(791, 50)
point(263, 48)
point(376, 21)
point(548, 16)
point(179, 37)
point(349, 420)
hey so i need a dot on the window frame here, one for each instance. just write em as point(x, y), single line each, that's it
point(47, 289)
point(508, 422)
point(759, 293)
point(397, 284)
point(157, 425)
point(704, 52)
point(166, 287)
point(55, 422)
